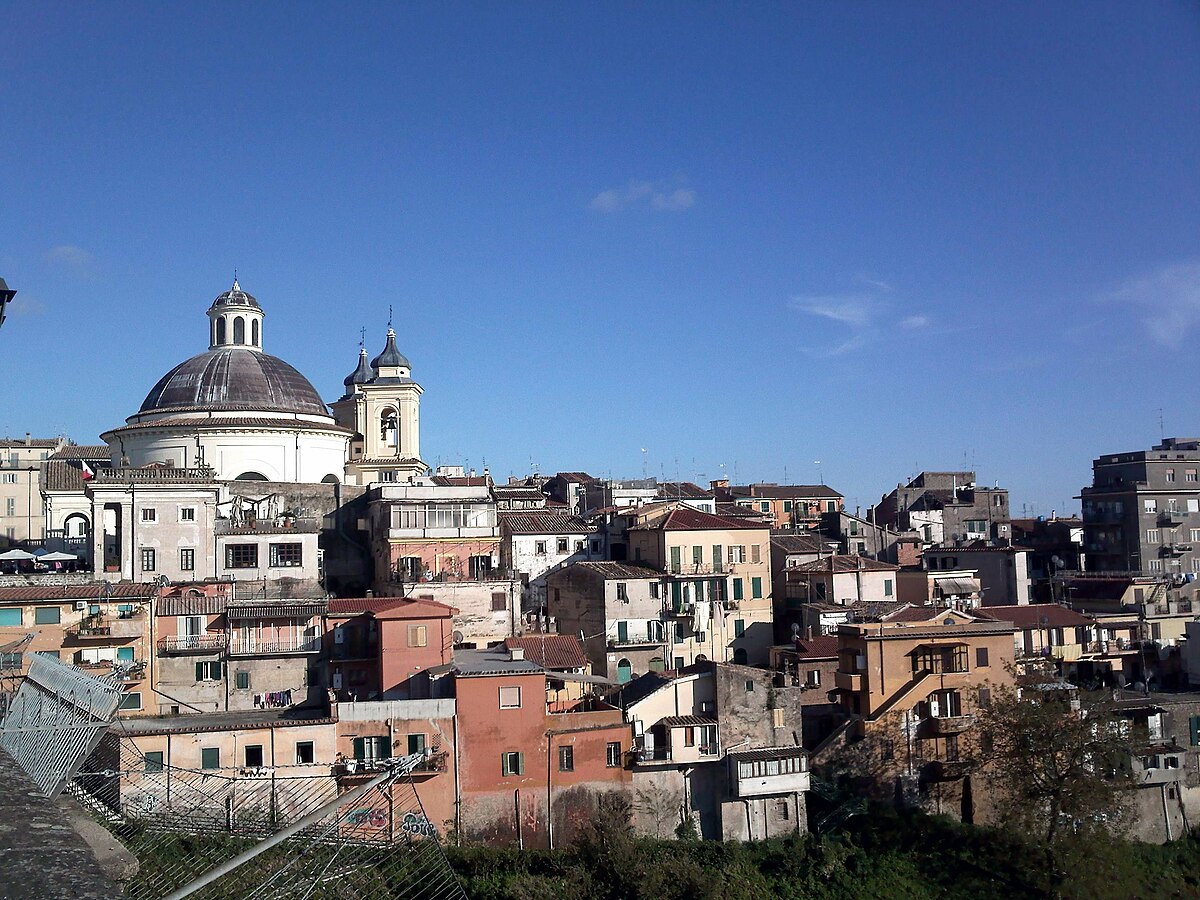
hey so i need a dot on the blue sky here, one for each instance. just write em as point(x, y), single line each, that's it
point(744, 237)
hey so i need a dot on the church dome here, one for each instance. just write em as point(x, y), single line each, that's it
point(232, 379)
point(235, 296)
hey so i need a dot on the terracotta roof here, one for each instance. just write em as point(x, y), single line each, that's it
point(676, 490)
point(842, 563)
point(610, 569)
point(824, 646)
point(409, 608)
point(542, 521)
point(551, 651)
point(909, 613)
point(353, 606)
point(89, 452)
point(583, 477)
point(34, 443)
point(461, 480)
point(764, 753)
point(685, 518)
point(61, 475)
point(738, 511)
point(34, 593)
point(1030, 616)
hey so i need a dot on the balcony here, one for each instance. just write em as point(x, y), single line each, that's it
point(434, 763)
point(941, 726)
point(1171, 517)
point(946, 769)
point(845, 681)
point(252, 647)
point(643, 755)
point(635, 640)
point(191, 643)
point(757, 773)
point(129, 671)
point(1173, 549)
point(101, 626)
point(684, 608)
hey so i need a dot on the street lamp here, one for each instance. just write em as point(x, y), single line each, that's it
point(6, 296)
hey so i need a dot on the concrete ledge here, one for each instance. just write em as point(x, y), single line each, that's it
point(41, 854)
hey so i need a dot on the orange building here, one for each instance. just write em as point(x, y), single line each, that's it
point(520, 756)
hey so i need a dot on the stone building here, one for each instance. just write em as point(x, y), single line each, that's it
point(21, 513)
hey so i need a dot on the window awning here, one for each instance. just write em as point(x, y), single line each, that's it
point(957, 586)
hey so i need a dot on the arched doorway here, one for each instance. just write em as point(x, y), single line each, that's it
point(740, 657)
point(624, 671)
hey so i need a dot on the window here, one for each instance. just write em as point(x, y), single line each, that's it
point(47, 615)
point(10, 508)
point(208, 671)
point(254, 756)
point(622, 593)
point(887, 750)
point(187, 514)
point(812, 678)
point(749, 686)
point(1170, 475)
point(566, 759)
point(887, 587)
point(241, 681)
point(373, 747)
point(756, 588)
point(612, 754)
point(241, 556)
point(595, 546)
point(737, 554)
point(418, 636)
point(697, 558)
point(676, 560)
point(304, 753)
point(985, 698)
point(737, 589)
point(1149, 506)
point(981, 657)
point(654, 631)
point(678, 663)
point(1152, 535)
point(153, 761)
point(187, 559)
point(622, 632)
point(131, 700)
point(1195, 535)
point(10, 477)
point(941, 659)
point(210, 758)
point(539, 548)
point(1194, 723)
point(739, 627)
point(1189, 474)
point(579, 546)
point(756, 553)
point(239, 330)
point(148, 560)
point(510, 698)
point(787, 505)
point(286, 556)
point(1154, 565)
point(499, 601)
point(512, 763)
point(563, 545)
point(10, 617)
point(149, 514)
point(416, 744)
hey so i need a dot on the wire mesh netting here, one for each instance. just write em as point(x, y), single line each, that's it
point(235, 833)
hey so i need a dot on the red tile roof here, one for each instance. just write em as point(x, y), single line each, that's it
point(417, 609)
point(843, 563)
point(34, 593)
point(915, 614)
point(1031, 615)
point(542, 521)
point(823, 646)
point(688, 519)
point(551, 651)
point(353, 606)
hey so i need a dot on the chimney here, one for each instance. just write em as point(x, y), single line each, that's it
point(516, 654)
point(808, 632)
point(370, 593)
point(28, 439)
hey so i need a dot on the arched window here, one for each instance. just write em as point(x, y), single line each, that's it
point(221, 330)
point(388, 427)
point(624, 671)
point(330, 479)
point(251, 476)
point(740, 657)
point(239, 330)
point(657, 664)
point(254, 332)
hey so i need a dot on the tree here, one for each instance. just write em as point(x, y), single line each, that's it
point(1056, 764)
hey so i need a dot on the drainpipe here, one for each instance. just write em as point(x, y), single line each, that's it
point(549, 792)
point(517, 813)
point(457, 782)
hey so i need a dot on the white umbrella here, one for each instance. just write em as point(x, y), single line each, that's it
point(15, 555)
point(58, 557)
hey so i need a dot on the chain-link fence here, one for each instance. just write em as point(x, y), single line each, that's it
point(215, 833)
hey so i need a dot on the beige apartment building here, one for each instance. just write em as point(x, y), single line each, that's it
point(716, 573)
point(910, 684)
point(21, 513)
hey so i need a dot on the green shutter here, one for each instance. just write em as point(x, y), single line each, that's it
point(416, 743)
point(125, 654)
point(360, 748)
point(739, 627)
point(756, 587)
point(10, 617)
point(718, 558)
point(520, 763)
point(737, 589)
point(676, 595)
point(675, 563)
point(623, 632)
point(210, 758)
point(887, 587)
point(650, 630)
point(1195, 723)
point(697, 555)
point(199, 671)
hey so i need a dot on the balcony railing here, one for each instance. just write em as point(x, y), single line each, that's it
point(939, 726)
point(635, 640)
point(267, 648)
point(644, 755)
point(1171, 517)
point(192, 643)
point(102, 626)
point(435, 762)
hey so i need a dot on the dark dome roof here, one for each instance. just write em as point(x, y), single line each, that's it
point(390, 355)
point(362, 374)
point(235, 296)
point(233, 378)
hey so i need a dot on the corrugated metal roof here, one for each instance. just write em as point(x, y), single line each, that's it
point(682, 721)
point(768, 753)
point(280, 610)
point(193, 605)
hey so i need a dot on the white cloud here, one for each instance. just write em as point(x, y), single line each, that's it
point(646, 195)
point(914, 322)
point(1167, 300)
point(849, 310)
point(69, 255)
point(875, 283)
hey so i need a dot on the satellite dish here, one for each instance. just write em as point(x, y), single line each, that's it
point(458, 637)
point(1058, 562)
point(163, 581)
point(795, 629)
point(1045, 620)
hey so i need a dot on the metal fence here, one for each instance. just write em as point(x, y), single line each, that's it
point(56, 719)
point(222, 833)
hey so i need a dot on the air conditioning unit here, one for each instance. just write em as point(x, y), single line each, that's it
point(81, 604)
